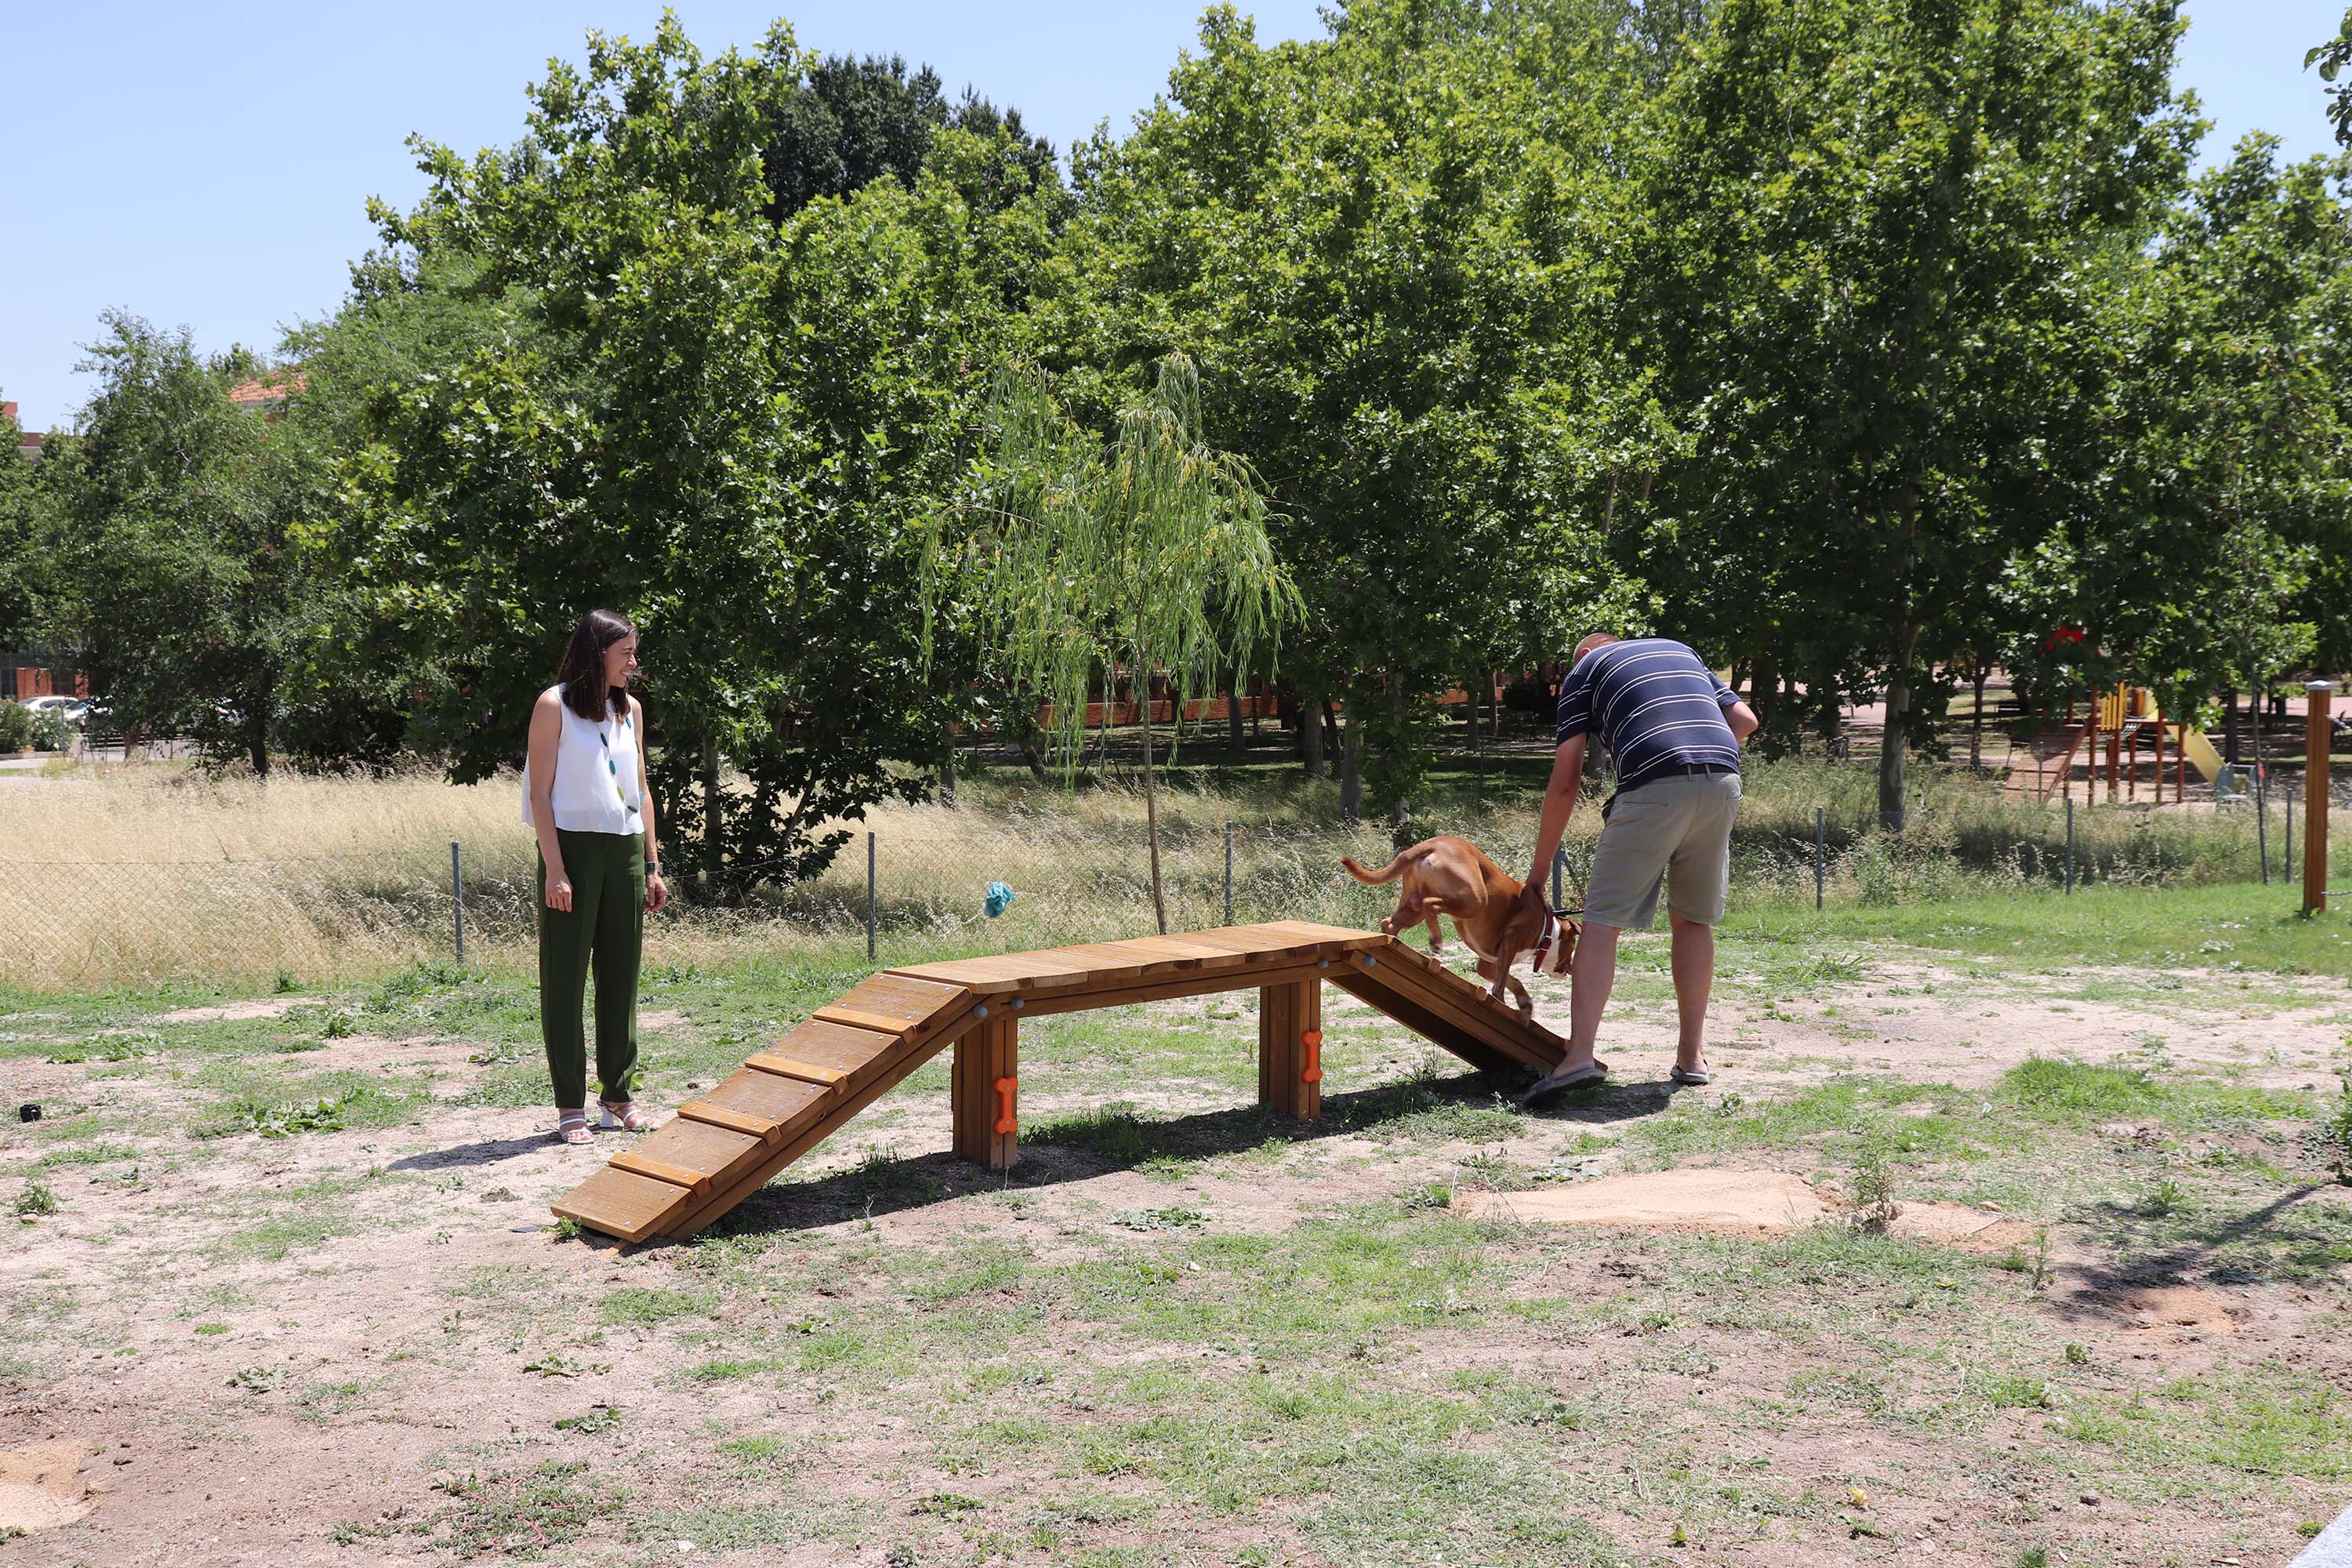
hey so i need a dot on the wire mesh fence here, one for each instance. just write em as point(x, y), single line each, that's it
point(920, 885)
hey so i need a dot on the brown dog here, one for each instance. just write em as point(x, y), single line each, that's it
point(1453, 876)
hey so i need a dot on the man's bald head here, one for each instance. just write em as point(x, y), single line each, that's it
point(1598, 640)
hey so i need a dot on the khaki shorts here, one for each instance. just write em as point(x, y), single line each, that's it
point(1676, 829)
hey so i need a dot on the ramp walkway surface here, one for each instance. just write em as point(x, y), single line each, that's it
point(727, 1145)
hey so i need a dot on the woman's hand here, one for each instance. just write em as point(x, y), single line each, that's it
point(559, 891)
point(657, 893)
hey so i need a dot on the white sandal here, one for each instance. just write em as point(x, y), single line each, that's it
point(622, 1116)
point(571, 1126)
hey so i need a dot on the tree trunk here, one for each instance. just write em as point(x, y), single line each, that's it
point(1233, 718)
point(714, 816)
point(1310, 735)
point(1150, 794)
point(1976, 719)
point(1352, 770)
point(2230, 725)
point(1893, 748)
point(1764, 692)
point(948, 773)
point(1331, 739)
point(257, 742)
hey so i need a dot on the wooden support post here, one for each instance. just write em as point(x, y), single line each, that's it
point(2316, 747)
point(985, 1084)
point(1290, 1049)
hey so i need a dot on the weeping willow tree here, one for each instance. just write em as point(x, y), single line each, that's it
point(1147, 551)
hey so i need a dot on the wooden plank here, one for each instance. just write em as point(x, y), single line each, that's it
point(696, 1147)
point(1188, 953)
point(1439, 991)
point(894, 1004)
point(821, 1043)
point(836, 1112)
point(696, 1182)
point(1004, 972)
point(1258, 941)
point(1309, 930)
point(786, 1102)
point(784, 1066)
point(623, 1203)
point(1195, 985)
point(761, 1127)
point(857, 1019)
point(1426, 1022)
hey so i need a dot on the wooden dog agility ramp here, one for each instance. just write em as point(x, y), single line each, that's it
point(724, 1147)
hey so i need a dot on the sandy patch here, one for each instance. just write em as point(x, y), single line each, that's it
point(1957, 1225)
point(41, 1487)
point(1742, 1203)
point(2175, 1307)
point(237, 1011)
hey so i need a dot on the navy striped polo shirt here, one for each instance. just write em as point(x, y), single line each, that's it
point(1657, 706)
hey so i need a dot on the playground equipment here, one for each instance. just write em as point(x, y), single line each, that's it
point(727, 1145)
point(2123, 719)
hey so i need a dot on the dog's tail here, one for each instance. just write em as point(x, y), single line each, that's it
point(1388, 873)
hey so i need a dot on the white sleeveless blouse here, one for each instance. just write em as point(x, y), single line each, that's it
point(595, 788)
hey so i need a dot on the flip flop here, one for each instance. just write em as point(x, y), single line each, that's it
point(1691, 1078)
point(1552, 1085)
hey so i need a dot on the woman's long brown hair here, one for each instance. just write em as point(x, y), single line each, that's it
point(582, 669)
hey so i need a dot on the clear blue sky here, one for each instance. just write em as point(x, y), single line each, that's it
point(206, 164)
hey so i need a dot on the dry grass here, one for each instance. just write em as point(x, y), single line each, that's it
point(153, 874)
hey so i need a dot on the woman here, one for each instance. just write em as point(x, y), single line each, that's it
point(584, 795)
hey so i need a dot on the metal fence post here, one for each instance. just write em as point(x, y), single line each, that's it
point(457, 901)
point(870, 897)
point(2286, 839)
point(1229, 873)
point(1558, 860)
point(2069, 843)
point(2262, 821)
point(1821, 853)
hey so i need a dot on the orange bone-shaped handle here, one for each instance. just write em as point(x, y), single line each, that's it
point(1004, 1122)
point(1313, 1040)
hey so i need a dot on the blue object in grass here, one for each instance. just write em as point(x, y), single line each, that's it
point(1000, 898)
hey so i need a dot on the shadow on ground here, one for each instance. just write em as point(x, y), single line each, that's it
point(1116, 1138)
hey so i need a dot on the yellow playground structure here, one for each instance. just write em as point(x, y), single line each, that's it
point(2115, 725)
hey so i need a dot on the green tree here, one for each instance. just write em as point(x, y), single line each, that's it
point(1387, 251)
point(24, 536)
point(174, 580)
point(855, 121)
point(723, 425)
point(1152, 553)
point(2331, 57)
point(1865, 289)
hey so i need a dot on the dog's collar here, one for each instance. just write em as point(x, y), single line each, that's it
point(1546, 944)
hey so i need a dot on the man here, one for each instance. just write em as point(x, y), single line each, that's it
point(1674, 732)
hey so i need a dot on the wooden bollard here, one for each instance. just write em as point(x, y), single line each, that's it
point(2316, 746)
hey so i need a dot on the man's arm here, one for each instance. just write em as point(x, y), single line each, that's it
point(1743, 721)
point(1558, 805)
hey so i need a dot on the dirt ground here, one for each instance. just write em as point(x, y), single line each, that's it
point(326, 1347)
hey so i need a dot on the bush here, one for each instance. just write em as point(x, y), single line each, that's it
point(15, 728)
point(50, 731)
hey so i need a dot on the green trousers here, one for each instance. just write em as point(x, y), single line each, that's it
point(604, 932)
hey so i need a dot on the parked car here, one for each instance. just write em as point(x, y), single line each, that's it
point(44, 704)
